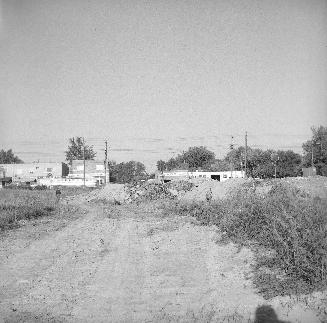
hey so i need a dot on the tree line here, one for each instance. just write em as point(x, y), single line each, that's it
point(260, 163)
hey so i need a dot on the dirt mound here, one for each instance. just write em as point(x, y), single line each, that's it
point(156, 191)
point(114, 193)
point(315, 185)
point(219, 190)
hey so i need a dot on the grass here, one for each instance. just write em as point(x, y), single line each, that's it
point(17, 205)
point(287, 228)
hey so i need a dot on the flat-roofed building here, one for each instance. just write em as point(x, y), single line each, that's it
point(167, 176)
point(93, 169)
point(29, 172)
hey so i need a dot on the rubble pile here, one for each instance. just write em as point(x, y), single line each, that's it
point(155, 191)
point(218, 190)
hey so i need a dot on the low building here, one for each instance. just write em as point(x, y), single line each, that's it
point(309, 171)
point(93, 169)
point(67, 181)
point(168, 176)
point(30, 172)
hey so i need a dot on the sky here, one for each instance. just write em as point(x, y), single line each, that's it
point(156, 77)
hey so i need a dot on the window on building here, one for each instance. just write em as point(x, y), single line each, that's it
point(49, 169)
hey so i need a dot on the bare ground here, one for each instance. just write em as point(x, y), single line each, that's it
point(129, 264)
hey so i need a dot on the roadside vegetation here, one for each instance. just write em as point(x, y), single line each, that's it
point(17, 205)
point(20, 205)
point(286, 228)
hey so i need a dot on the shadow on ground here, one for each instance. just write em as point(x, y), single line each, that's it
point(266, 314)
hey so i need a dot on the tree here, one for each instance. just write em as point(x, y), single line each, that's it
point(198, 157)
point(260, 163)
point(8, 157)
point(161, 165)
point(288, 163)
point(128, 172)
point(315, 150)
point(236, 158)
point(194, 158)
point(219, 165)
point(76, 150)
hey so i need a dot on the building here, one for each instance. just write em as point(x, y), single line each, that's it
point(93, 169)
point(30, 172)
point(68, 181)
point(176, 174)
point(309, 171)
point(3, 179)
point(168, 176)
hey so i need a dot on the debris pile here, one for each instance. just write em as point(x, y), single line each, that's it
point(216, 189)
point(156, 191)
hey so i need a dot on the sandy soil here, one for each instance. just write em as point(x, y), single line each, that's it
point(129, 265)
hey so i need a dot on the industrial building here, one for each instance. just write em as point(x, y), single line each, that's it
point(30, 172)
point(93, 169)
point(167, 176)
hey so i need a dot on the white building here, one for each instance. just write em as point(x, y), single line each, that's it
point(172, 175)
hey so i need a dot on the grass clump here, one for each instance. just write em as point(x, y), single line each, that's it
point(287, 227)
point(17, 205)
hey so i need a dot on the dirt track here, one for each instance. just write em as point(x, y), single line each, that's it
point(128, 267)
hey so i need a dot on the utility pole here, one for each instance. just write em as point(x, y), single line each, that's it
point(105, 162)
point(312, 155)
point(231, 159)
point(246, 153)
point(84, 161)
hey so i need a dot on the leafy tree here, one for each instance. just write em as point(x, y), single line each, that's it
point(194, 158)
point(76, 150)
point(219, 165)
point(288, 163)
point(260, 163)
point(8, 157)
point(172, 163)
point(128, 172)
point(112, 174)
point(316, 147)
point(198, 157)
point(161, 165)
point(236, 158)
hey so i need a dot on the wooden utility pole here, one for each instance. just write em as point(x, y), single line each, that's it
point(246, 154)
point(232, 157)
point(312, 164)
point(84, 161)
point(105, 162)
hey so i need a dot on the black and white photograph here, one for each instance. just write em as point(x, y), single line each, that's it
point(163, 161)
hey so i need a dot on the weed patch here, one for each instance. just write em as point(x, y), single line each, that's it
point(17, 205)
point(287, 226)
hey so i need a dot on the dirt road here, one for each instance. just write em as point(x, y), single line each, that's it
point(127, 265)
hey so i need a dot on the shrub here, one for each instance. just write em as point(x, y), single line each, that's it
point(16, 205)
point(289, 224)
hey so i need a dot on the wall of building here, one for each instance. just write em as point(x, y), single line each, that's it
point(93, 168)
point(309, 171)
point(32, 171)
point(179, 175)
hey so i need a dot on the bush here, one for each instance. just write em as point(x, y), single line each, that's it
point(289, 224)
point(16, 205)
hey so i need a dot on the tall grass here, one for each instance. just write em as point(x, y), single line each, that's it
point(287, 227)
point(16, 205)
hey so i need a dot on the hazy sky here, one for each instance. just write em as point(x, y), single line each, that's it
point(155, 77)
